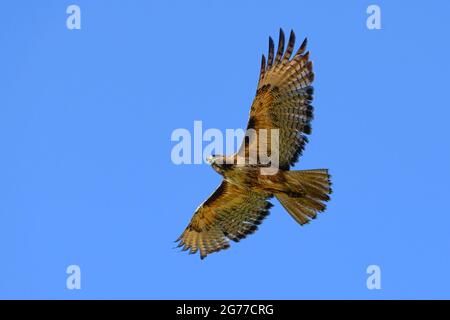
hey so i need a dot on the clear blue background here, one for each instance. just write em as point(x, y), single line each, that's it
point(86, 176)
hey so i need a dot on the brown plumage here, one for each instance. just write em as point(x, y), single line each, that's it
point(240, 203)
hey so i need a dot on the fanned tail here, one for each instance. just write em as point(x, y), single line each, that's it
point(309, 190)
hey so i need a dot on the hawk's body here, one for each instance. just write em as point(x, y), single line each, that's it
point(240, 203)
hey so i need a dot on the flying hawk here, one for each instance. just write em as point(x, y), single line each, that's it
point(240, 203)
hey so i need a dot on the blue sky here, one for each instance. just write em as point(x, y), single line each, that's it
point(86, 176)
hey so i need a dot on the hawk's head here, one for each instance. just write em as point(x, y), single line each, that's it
point(218, 163)
point(211, 159)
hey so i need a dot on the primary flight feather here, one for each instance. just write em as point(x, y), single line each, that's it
point(240, 203)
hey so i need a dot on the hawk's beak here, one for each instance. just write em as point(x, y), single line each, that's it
point(209, 159)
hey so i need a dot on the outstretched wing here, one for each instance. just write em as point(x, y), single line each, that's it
point(282, 102)
point(230, 213)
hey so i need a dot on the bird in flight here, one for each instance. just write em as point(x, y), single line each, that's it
point(283, 105)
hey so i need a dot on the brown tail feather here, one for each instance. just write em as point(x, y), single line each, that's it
point(309, 189)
